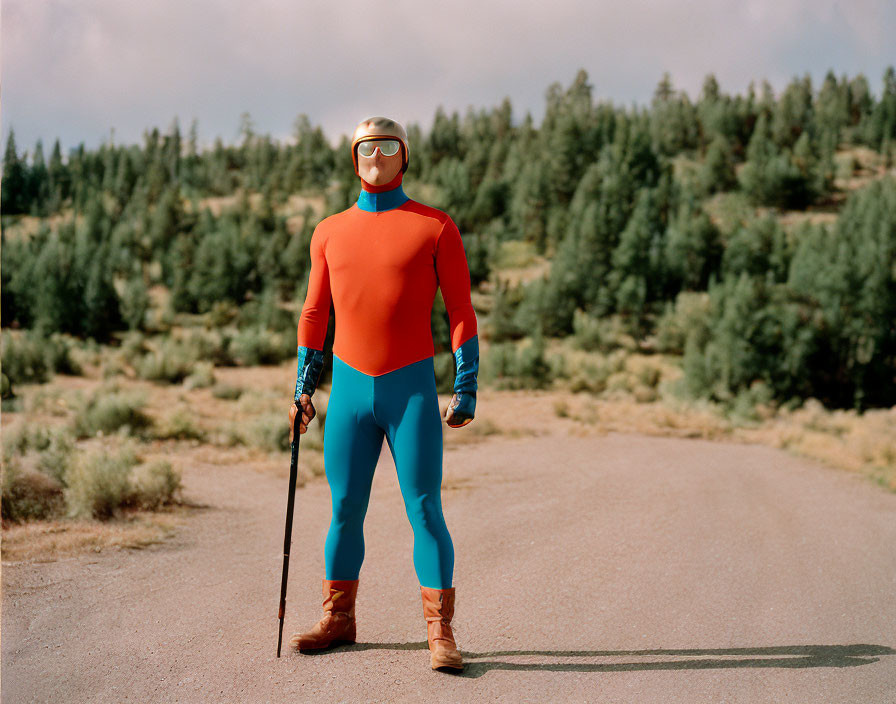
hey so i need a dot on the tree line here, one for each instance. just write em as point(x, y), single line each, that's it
point(620, 200)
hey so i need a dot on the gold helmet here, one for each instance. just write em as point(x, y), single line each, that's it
point(378, 128)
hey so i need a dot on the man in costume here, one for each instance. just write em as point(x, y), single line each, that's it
point(380, 263)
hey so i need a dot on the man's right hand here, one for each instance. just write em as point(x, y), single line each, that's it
point(308, 413)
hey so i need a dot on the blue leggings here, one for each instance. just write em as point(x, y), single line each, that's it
point(403, 406)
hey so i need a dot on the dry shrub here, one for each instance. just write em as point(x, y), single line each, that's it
point(180, 425)
point(108, 411)
point(155, 484)
point(29, 494)
point(99, 483)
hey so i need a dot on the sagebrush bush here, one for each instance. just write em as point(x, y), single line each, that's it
point(645, 370)
point(202, 377)
point(25, 437)
point(212, 346)
point(601, 334)
point(180, 425)
point(171, 362)
point(99, 484)
point(688, 314)
point(220, 314)
point(24, 358)
point(620, 381)
point(588, 333)
point(112, 367)
point(265, 311)
point(133, 346)
point(227, 392)
point(29, 494)
point(590, 376)
point(258, 345)
point(59, 355)
point(533, 367)
point(742, 409)
point(30, 357)
point(107, 411)
point(512, 367)
point(155, 484)
point(56, 458)
point(270, 431)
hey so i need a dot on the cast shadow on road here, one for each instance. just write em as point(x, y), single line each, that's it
point(788, 656)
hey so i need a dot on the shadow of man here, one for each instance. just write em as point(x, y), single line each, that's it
point(789, 656)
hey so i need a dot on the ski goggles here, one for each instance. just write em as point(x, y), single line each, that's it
point(388, 147)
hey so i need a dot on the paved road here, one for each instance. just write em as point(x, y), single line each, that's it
point(605, 569)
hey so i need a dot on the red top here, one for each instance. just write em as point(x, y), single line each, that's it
point(381, 270)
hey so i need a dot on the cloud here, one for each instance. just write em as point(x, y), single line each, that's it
point(75, 69)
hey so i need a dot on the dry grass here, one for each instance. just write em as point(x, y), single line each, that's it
point(863, 443)
point(44, 541)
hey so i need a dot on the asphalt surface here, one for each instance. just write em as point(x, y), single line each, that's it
point(620, 568)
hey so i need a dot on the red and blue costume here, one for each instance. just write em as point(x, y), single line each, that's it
point(380, 263)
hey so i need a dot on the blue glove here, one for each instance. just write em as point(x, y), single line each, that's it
point(466, 359)
point(311, 364)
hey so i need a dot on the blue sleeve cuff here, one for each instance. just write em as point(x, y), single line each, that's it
point(311, 364)
point(466, 358)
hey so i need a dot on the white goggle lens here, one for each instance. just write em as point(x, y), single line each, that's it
point(388, 147)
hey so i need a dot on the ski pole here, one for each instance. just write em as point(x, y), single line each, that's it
point(290, 502)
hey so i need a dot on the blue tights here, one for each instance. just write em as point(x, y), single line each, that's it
point(401, 405)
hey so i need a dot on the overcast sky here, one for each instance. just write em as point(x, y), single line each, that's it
point(76, 69)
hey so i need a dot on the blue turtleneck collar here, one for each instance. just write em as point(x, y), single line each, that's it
point(385, 200)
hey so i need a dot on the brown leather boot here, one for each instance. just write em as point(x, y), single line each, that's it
point(438, 609)
point(338, 624)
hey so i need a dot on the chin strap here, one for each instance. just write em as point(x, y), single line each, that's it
point(311, 364)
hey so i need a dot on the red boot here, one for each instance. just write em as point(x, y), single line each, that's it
point(338, 624)
point(438, 609)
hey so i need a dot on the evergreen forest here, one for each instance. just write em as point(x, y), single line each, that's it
point(752, 235)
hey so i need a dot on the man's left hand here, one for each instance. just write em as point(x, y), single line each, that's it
point(461, 409)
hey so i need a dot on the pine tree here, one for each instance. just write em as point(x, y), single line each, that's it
point(635, 277)
point(793, 114)
point(881, 124)
point(757, 248)
point(40, 183)
point(135, 303)
point(673, 120)
point(15, 197)
point(717, 173)
point(500, 319)
point(60, 181)
point(693, 249)
point(832, 108)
